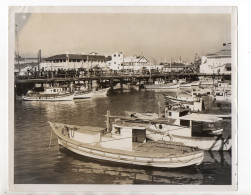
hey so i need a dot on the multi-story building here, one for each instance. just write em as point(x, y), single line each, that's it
point(120, 62)
point(218, 62)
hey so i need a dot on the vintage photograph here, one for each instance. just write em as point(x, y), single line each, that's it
point(124, 96)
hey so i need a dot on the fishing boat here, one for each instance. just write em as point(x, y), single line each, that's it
point(144, 115)
point(166, 86)
point(91, 93)
point(125, 143)
point(101, 92)
point(181, 98)
point(83, 94)
point(49, 94)
point(184, 134)
point(196, 130)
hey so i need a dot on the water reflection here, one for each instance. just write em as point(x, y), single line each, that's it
point(108, 172)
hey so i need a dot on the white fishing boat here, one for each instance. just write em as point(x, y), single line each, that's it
point(196, 130)
point(83, 94)
point(181, 98)
point(184, 134)
point(167, 86)
point(91, 93)
point(125, 143)
point(49, 94)
point(144, 115)
point(101, 92)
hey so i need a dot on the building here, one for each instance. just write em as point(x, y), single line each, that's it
point(120, 62)
point(74, 61)
point(218, 62)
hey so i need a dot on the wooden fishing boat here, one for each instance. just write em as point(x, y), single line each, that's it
point(168, 86)
point(125, 143)
point(145, 116)
point(101, 92)
point(184, 134)
point(192, 129)
point(91, 93)
point(83, 94)
point(181, 98)
point(49, 94)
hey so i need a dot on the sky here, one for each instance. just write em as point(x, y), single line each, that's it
point(159, 36)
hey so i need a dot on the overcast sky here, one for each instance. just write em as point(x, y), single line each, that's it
point(158, 36)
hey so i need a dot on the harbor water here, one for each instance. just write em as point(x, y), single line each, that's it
point(36, 163)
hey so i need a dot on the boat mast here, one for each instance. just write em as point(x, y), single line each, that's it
point(108, 121)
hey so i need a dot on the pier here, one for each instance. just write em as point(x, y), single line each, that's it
point(23, 84)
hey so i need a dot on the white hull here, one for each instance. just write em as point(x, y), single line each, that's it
point(182, 98)
point(204, 143)
point(86, 95)
point(162, 86)
point(173, 162)
point(66, 97)
point(101, 92)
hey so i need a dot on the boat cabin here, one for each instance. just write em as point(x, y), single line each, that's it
point(84, 134)
point(124, 136)
point(199, 123)
point(53, 90)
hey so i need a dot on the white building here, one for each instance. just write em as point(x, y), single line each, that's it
point(218, 62)
point(120, 62)
point(74, 61)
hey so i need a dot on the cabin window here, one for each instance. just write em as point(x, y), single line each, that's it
point(185, 123)
point(117, 130)
point(138, 135)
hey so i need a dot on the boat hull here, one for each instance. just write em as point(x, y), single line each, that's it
point(48, 98)
point(175, 162)
point(83, 95)
point(166, 87)
point(101, 92)
point(204, 143)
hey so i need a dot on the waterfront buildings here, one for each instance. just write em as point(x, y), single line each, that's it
point(121, 62)
point(218, 62)
point(74, 61)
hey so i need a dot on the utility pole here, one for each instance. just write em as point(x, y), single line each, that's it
point(39, 61)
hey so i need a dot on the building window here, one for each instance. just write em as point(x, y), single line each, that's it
point(114, 62)
point(118, 55)
point(170, 114)
point(114, 55)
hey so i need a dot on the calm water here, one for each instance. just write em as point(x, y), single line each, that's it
point(35, 163)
